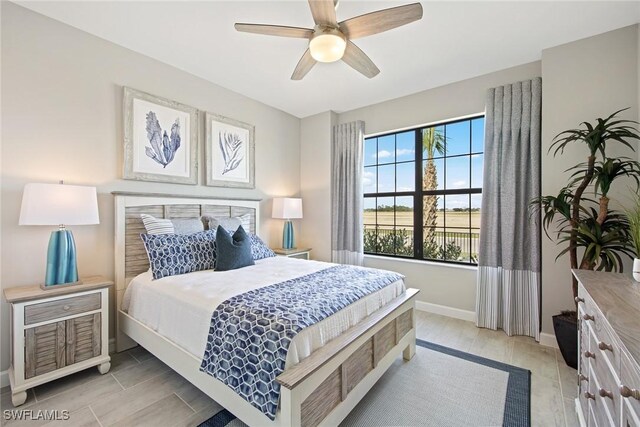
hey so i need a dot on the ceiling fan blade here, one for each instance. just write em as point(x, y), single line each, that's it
point(323, 11)
point(305, 64)
point(359, 61)
point(275, 30)
point(381, 20)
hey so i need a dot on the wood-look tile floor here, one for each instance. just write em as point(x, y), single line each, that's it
point(139, 390)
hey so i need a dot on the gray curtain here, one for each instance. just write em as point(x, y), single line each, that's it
point(508, 288)
point(346, 193)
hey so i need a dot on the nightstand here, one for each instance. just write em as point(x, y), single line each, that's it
point(56, 332)
point(301, 253)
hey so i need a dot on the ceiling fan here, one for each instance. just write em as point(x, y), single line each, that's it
point(330, 40)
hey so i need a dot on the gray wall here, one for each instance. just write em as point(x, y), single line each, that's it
point(441, 284)
point(581, 81)
point(62, 119)
point(315, 183)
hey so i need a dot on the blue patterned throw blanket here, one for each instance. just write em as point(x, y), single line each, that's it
point(250, 334)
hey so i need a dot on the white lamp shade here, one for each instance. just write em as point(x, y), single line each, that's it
point(59, 204)
point(287, 208)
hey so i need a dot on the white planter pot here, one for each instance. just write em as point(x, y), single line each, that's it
point(636, 270)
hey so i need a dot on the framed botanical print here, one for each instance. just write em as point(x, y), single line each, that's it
point(160, 139)
point(229, 151)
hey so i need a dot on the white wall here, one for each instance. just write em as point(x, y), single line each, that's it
point(315, 183)
point(581, 81)
point(62, 119)
point(440, 284)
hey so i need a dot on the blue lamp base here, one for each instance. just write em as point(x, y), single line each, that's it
point(61, 259)
point(288, 241)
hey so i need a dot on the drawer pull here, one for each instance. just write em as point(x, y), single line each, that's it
point(583, 378)
point(605, 393)
point(579, 300)
point(589, 395)
point(589, 354)
point(627, 392)
point(603, 346)
point(588, 317)
point(66, 307)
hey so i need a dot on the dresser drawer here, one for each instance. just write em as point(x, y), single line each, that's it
point(599, 405)
point(583, 330)
point(630, 378)
point(52, 310)
point(607, 390)
point(605, 342)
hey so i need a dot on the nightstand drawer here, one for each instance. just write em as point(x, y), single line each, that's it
point(52, 310)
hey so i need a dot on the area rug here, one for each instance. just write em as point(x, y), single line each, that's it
point(439, 387)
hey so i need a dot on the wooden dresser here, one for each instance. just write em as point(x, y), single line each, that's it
point(609, 343)
point(56, 332)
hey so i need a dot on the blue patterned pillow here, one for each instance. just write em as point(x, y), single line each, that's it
point(173, 254)
point(259, 250)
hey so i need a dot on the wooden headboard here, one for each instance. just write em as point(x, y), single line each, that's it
point(130, 255)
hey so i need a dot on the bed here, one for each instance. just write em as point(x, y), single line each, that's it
point(330, 365)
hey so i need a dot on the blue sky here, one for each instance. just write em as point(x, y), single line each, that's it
point(401, 148)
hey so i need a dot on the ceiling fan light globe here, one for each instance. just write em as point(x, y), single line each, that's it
point(327, 47)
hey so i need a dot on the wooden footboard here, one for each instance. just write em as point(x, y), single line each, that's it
point(325, 387)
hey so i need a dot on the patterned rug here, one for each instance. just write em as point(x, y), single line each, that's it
point(439, 387)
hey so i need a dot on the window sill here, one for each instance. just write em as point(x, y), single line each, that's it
point(419, 262)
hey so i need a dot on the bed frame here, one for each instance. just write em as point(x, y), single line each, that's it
point(320, 390)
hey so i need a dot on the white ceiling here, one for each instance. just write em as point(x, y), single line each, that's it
point(453, 41)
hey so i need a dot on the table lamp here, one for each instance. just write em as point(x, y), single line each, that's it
point(61, 205)
point(287, 208)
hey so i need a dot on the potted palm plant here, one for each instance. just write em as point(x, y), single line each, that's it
point(593, 234)
point(633, 216)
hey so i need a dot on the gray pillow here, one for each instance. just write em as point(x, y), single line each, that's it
point(187, 225)
point(232, 252)
point(230, 224)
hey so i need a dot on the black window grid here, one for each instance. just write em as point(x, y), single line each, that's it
point(419, 193)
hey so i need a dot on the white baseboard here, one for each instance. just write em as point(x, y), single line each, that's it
point(547, 340)
point(4, 378)
point(443, 310)
point(4, 375)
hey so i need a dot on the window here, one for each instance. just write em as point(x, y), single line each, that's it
point(425, 185)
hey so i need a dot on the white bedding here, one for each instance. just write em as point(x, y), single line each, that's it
point(180, 307)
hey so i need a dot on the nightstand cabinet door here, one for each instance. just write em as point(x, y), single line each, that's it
point(83, 338)
point(45, 349)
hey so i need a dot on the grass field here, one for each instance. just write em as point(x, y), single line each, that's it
point(454, 219)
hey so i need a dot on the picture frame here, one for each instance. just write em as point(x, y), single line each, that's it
point(229, 152)
point(160, 139)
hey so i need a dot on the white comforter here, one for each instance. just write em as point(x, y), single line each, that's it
point(180, 307)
